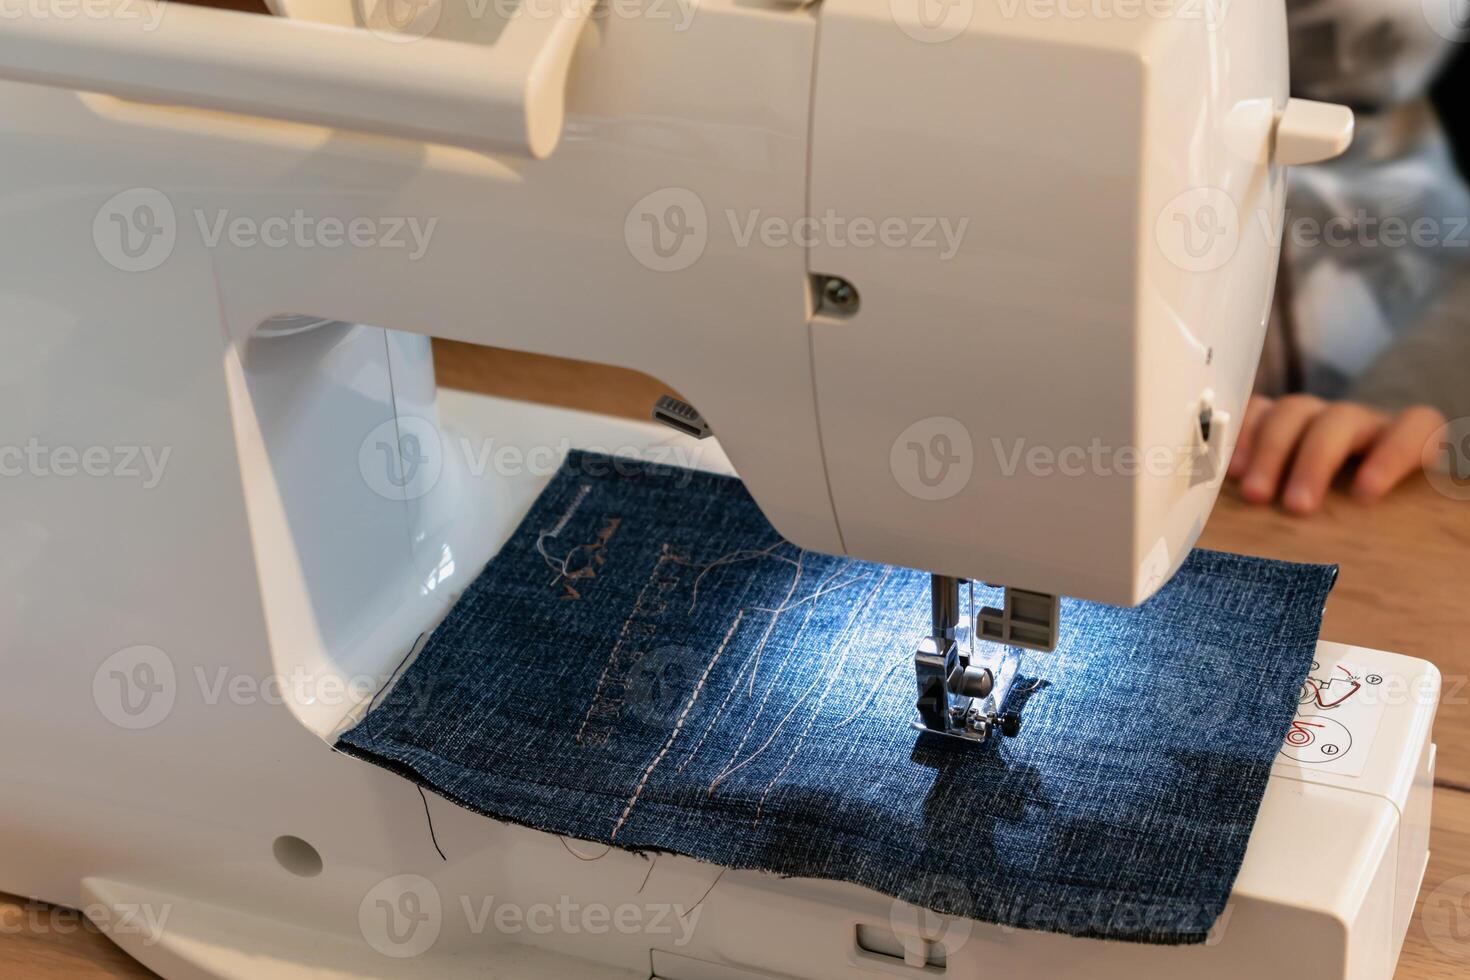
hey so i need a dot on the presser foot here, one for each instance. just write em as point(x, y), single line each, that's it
point(958, 696)
point(959, 699)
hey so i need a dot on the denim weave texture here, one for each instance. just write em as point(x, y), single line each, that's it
point(648, 664)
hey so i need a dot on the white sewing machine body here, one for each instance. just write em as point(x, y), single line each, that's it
point(1100, 271)
point(171, 842)
point(186, 648)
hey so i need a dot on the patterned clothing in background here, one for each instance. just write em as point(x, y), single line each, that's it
point(1370, 54)
point(1378, 238)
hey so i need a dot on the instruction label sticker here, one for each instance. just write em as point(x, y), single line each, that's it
point(1338, 713)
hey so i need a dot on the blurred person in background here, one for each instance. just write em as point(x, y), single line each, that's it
point(1368, 353)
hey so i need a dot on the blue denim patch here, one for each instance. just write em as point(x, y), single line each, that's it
point(648, 664)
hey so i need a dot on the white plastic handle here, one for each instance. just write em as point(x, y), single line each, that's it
point(1312, 132)
point(507, 96)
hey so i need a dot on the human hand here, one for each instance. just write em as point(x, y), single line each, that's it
point(1296, 446)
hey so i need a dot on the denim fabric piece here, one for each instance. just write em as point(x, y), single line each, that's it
point(648, 664)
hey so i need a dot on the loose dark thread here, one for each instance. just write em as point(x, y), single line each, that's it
point(711, 888)
point(651, 865)
point(582, 857)
point(430, 817)
point(373, 703)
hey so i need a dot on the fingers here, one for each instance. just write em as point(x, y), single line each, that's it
point(1336, 434)
point(1255, 410)
point(1396, 453)
point(1279, 432)
point(1315, 439)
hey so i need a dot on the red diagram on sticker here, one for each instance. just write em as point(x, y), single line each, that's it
point(1335, 708)
point(1317, 741)
point(1301, 733)
point(1331, 692)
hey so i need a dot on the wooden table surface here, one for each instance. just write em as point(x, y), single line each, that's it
point(1405, 587)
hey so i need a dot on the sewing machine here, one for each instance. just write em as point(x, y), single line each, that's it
point(884, 252)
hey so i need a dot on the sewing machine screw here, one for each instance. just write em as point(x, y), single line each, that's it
point(1010, 724)
point(836, 296)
